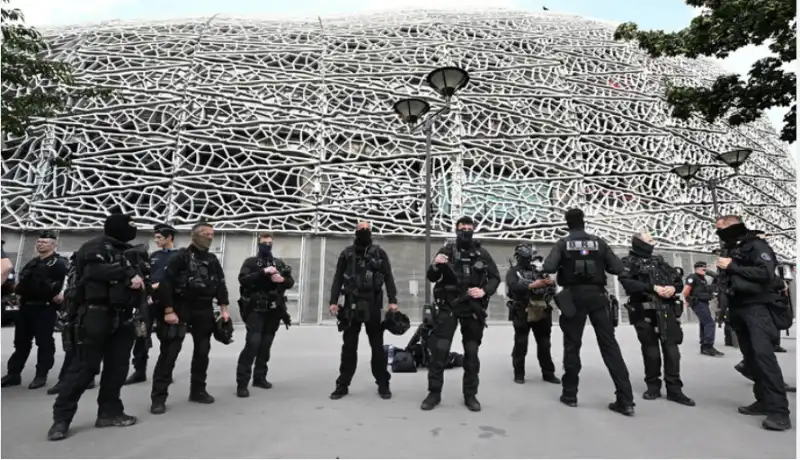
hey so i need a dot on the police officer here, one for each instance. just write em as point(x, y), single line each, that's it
point(104, 331)
point(581, 261)
point(361, 272)
point(165, 240)
point(193, 279)
point(69, 309)
point(645, 277)
point(749, 274)
point(39, 290)
point(466, 277)
point(697, 294)
point(263, 280)
point(530, 292)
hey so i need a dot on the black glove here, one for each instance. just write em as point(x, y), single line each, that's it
point(287, 320)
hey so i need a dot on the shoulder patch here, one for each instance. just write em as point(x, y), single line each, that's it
point(766, 257)
point(690, 280)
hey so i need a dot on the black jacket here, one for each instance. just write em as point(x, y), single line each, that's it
point(253, 279)
point(177, 268)
point(343, 265)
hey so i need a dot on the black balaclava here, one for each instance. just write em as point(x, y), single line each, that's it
point(363, 237)
point(574, 218)
point(463, 238)
point(265, 250)
point(120, 227)
point(641, 247)
point(524, 255)
point(733, 233)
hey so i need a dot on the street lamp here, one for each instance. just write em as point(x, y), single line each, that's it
point(446, 81)
point(734, 158)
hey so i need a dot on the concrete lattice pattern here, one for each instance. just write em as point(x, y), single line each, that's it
point(289, 126)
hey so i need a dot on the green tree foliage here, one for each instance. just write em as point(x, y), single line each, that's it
point(33, 85)
point(723, 27)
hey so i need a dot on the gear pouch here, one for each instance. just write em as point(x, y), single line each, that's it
point(97, 323)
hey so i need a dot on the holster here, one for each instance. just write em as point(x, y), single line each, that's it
point(166, 332)
point(566, 303)
point(96, 323)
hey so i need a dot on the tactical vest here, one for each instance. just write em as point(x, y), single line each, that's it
point(365, 271)
point(700, 289)
point(583, 263)
point(201, 279)
point(264, 297)
point(469, 271)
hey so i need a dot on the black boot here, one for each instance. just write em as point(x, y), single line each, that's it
point(339, 392)
point(740, 368)
point(680, 398)
point(472, 403)
point(651, 394)
point(138, 376)
point(38, 382)
point(780, 349)
point(201, 396)
point(118, 421)
point(551, 378)
point(55, 389)
point(775, 422)
point(753, 409)
point(242, 392)
point(519, 379)
point(570, 401)
point(58, 431)
point(789, 388)
point(621, 408)
point(384, 391)
point(11, 380)
point(262, 383)
point(431, 401)
point(709, 351)
point(158, 407)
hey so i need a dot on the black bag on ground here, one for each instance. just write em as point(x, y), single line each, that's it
point(403, 362)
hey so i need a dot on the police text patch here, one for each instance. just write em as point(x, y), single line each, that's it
point(582, 245)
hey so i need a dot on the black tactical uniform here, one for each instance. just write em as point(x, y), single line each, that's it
point(643, 271)
point(40, 280)
point(68, 306)
point(581, 261)
point(530, 311)
point(102, 326)
point(262, 305)
point(361, 272)
point(748, 284)
point(141, 348)
point(194, 278)
point(469, 266)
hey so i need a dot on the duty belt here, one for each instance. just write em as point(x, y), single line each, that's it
point(649, 306)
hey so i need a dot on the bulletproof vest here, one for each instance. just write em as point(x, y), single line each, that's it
point(364, 272)
point(468, 267)
point(583, 263)
point(34, 282)
point(102, 292)
point(528, 275)
point(700, 289)
point(201, 280)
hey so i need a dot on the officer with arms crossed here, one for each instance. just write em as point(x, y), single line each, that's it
point(263, 281)
point(581, 261)
point(466, 277)
point(165, 240)
point(697, 294)
point(39, 290)
point(749, 274)
point(530, 292)
point(194, 278)
point(643, 271)
point(361, 272)
point(104, 332)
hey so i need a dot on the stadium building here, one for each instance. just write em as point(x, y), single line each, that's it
point(288, 127)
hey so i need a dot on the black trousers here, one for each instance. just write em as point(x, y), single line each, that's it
point(261, 329)
point(112, 353)
point(441, 340)
point(652, 350)
point(756, 332)
point(542, 331)
point(69, 356)
point(349, 358)
point(34, 323)
point(199, 320)
point(592, 304)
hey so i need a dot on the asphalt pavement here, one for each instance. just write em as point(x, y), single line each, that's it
point(296, 419)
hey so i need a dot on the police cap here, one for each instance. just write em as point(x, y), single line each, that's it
point(48, 234)
point(700, 264)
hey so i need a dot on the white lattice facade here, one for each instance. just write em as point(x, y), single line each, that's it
point(289, 126)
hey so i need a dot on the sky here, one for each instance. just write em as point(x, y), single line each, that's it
point(651, 14)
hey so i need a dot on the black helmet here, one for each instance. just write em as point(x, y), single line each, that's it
point(223, 331)
point(524, 251)
point(397, 323)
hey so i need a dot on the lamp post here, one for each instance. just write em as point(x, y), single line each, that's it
point(734, 158)
point(446, 81)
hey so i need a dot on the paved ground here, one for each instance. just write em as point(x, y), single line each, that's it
point(295, 419)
